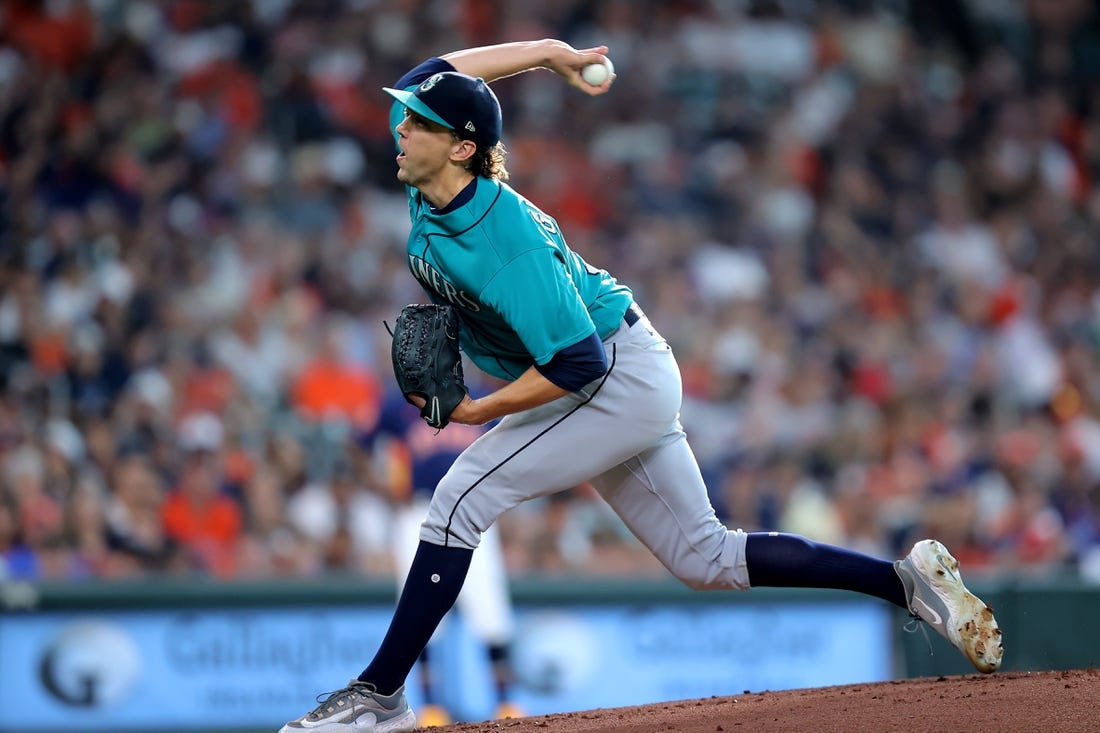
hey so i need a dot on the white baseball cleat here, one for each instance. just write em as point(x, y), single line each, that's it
point(357, 708)
point(935, 594)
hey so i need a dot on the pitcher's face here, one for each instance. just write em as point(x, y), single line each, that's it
point(425, 148)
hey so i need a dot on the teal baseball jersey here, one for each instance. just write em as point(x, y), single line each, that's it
point(522, 293)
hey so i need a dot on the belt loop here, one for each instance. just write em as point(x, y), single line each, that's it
point(633, 315)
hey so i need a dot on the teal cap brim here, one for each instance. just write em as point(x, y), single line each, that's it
point(414, 103)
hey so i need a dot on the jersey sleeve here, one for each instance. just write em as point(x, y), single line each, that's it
point(536, 296)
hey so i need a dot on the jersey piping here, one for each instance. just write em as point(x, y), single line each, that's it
point(479, 219)
point(517, 451)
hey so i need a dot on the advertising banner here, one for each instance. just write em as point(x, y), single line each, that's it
point(254, 669)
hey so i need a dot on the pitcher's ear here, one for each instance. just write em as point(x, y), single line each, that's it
point(464, 149)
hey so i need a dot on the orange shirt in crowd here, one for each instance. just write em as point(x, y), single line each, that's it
point(329, 389)
point(210, 529)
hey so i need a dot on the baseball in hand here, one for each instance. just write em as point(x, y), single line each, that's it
point(597, 74)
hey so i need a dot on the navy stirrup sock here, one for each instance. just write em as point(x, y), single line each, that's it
point(790, 561)
point(435, 578)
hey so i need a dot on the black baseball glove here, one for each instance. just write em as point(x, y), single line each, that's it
point(427, 361)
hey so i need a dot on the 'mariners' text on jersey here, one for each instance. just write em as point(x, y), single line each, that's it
point(430, 278)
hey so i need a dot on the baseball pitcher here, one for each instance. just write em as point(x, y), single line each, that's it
point(593, 394)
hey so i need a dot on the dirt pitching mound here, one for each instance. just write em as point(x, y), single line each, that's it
point(1012, 701)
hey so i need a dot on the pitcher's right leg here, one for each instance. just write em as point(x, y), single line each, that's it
point(661, 497)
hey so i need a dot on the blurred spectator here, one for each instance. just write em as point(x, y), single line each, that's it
point(333, 388)
point(272, 545)
point(256, 354)
point(197, 514)
point(348, 523)
point(39, 516)
point(133, 528)
point(17, 560)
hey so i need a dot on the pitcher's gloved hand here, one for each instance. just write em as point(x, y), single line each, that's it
point(427, 361)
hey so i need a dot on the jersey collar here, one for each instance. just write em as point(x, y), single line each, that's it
point(464, 196)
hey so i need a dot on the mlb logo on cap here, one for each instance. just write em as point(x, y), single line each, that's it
point(458, 102)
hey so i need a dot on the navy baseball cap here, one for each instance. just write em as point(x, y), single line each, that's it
point(458, 102)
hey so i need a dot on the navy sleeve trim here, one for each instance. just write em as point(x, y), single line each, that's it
point(422, 71)
point(576, 365)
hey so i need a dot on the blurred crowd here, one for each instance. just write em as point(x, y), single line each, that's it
point(868, 228)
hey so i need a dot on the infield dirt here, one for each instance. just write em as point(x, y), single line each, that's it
point(1031, 702)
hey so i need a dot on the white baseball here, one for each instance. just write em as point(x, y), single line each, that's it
point(596, 74)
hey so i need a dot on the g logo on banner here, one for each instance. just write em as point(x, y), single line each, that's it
point(91, 664)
